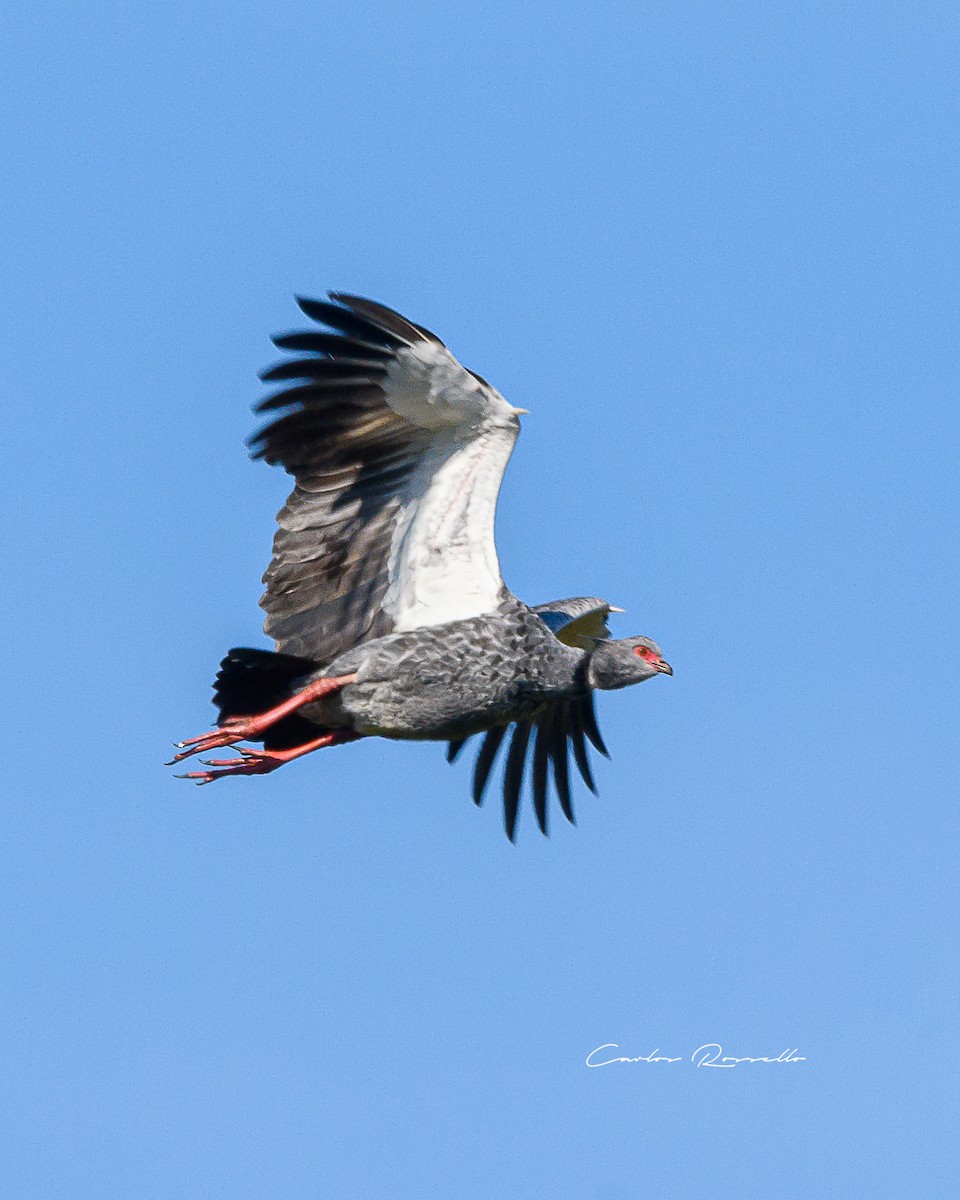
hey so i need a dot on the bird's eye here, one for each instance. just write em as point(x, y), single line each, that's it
point(644, 652)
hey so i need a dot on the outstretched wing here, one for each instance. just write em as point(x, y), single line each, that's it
point(553, 732)
point(398, 453)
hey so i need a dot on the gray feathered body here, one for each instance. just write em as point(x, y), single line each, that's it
point(449, 681)
point(385, 569)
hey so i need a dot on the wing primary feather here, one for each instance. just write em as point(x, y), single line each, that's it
point(454, 748)
point(488, 752)
point(291, 434)
point(353, 324)
point(513, 776)
point(561, 773)
point(334, 344)
point(323, 368)
point(345, 391)
point(331, 346)
point(385, 318)
point(580, 748)
point(541, 752)
point(590, 727)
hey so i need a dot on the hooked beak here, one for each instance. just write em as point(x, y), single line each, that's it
point(663, 667)
point(518, 412)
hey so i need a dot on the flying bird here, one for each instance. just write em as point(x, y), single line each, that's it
point(384, 596)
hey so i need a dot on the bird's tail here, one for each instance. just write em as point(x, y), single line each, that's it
point(251, 681)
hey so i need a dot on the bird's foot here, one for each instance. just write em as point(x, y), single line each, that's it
point(251, 762)
point(236, 729)
point(245, 729)
point(261, 762)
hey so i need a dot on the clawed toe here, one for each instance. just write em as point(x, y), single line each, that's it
point(226, 735)
point(248, 755)
point(251, 728)
point(255, 762)
point(250, 762)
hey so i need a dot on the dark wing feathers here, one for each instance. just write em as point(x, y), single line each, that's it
point(513, 775)
point(332, 343)
point(345, 313)
point(590, 727)
point(383, 318)
point(351, 457)
point(553, 733)
point(454, 748)
point(561, 774)
point(579, 747)
point(538, 773)
point(328, 369)
point(481, 768)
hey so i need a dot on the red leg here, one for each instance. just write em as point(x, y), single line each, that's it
point(240, 729)
point(260, 762)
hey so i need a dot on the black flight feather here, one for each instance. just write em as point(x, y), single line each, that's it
point(488, 752)
point(331, 343)
point(322, 368)
point(541, 753)
point(513, 776)
point(590, 728)
point(345, 391)
point(385, 318)
point(579, 748)
point(454, 748)
point(349, 322)
point(561, 773)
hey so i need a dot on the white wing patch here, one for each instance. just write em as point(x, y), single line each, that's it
point(444, 564)
point(443, 561)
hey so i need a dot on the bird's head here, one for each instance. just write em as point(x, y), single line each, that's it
point(619, 662)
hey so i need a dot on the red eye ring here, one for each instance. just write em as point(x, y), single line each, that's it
point(646, 653)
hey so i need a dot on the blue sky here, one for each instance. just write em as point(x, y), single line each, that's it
point(713, 249)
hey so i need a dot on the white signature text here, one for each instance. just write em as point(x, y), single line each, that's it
point(709, 1055)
